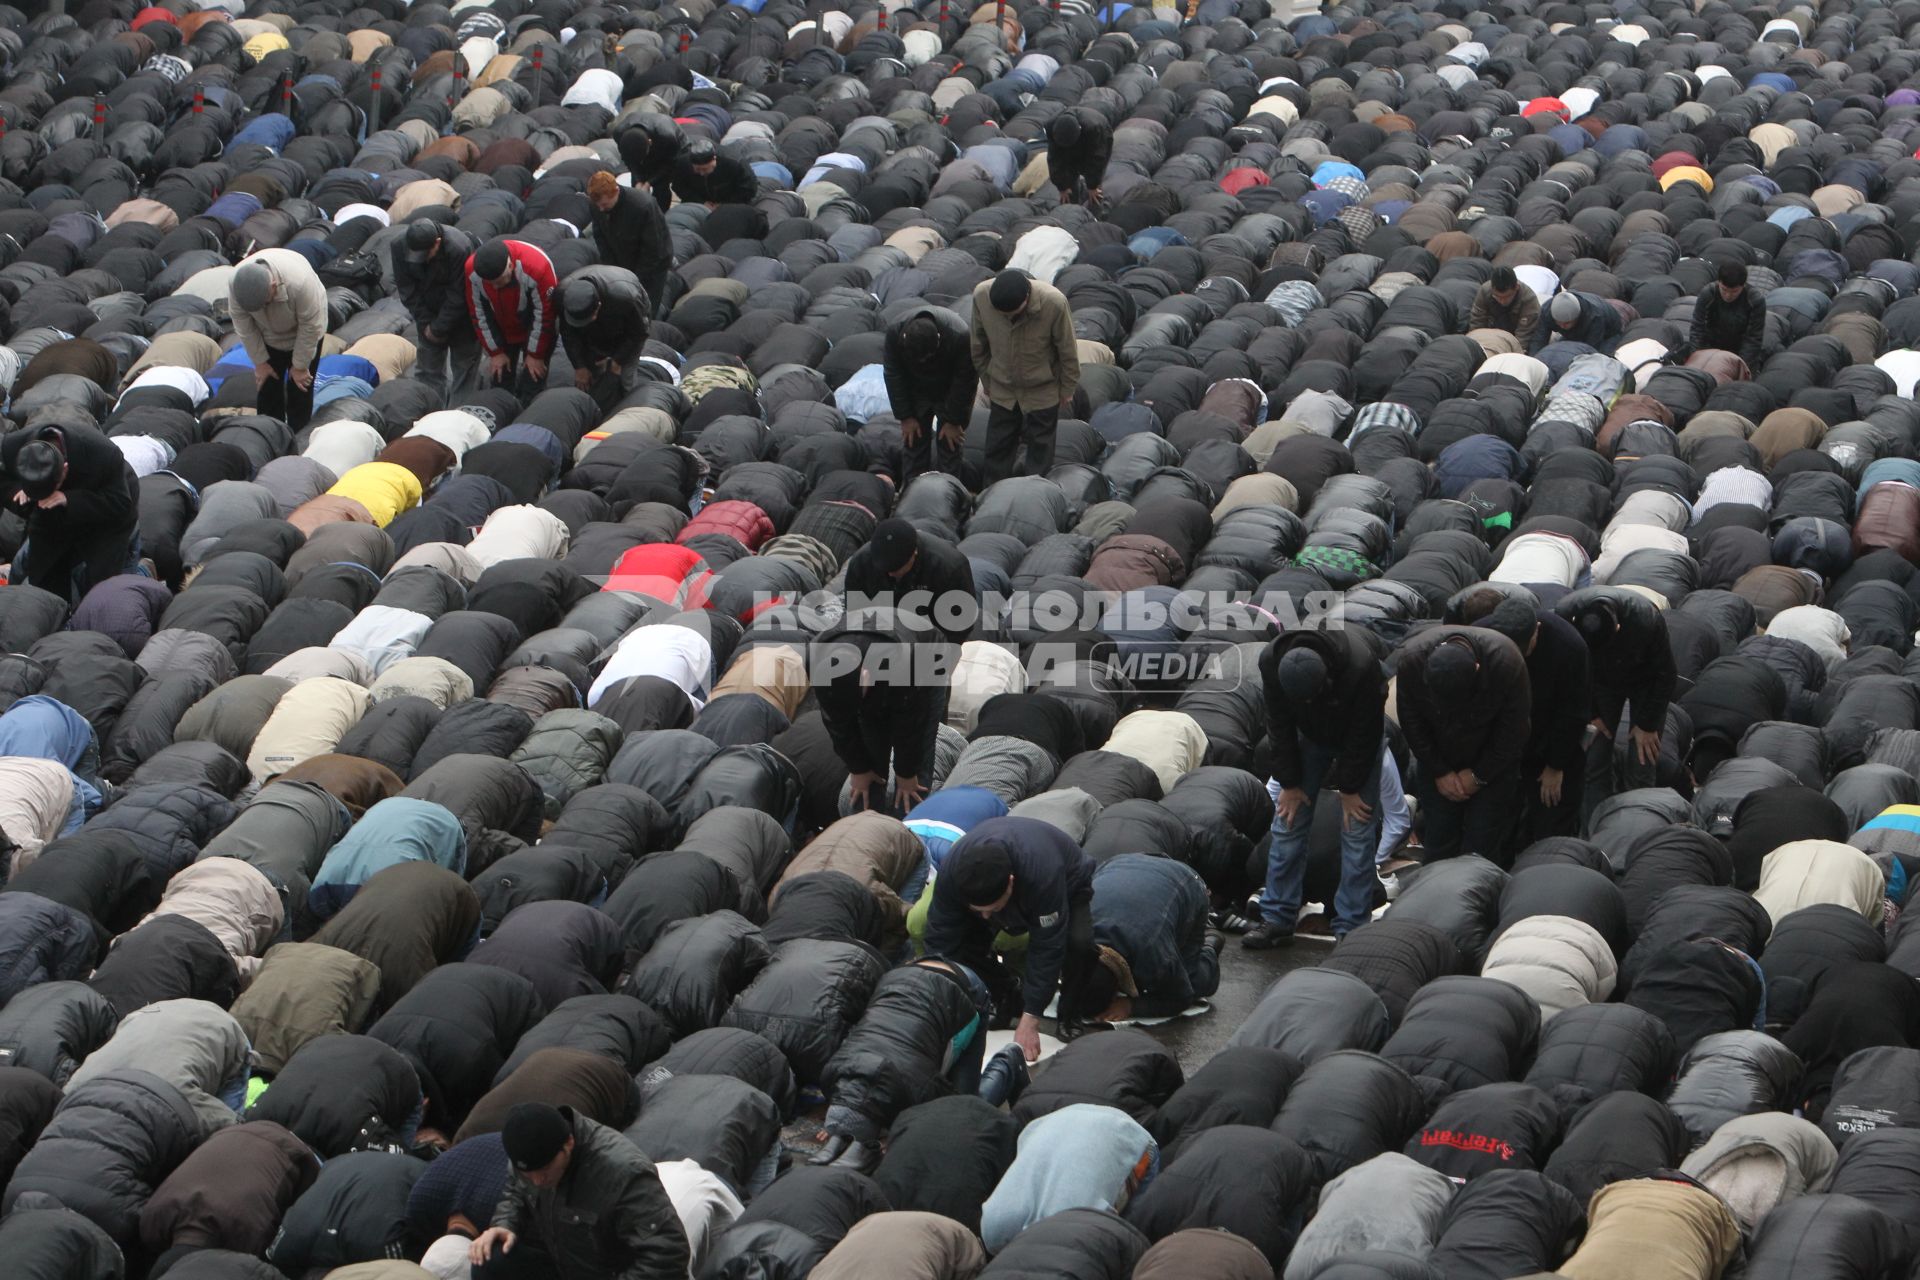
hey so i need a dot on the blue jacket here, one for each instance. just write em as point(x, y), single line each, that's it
point(1153, 911)
point(1049, 873)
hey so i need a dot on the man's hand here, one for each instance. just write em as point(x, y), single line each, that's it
point(497, 365)
point(1066, 404)
point(52, 500)
point(1354, 811)
point(431, 337)
point(536, 368)
point(1291, 801)
point(952, 434)
point(910, 432)
point(303, 379)
point(1646, 746)
point(1550, 784)
point(582, 378)
point(1453, 786)
point(863, 785)
point(907, 792)
point(20, 497)
point(482, 1247)
point(1469, 784)
point(262, 372)
point(1027, 1036)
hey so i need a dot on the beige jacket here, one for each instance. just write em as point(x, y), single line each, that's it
point(1030, 361)
point(295, 320)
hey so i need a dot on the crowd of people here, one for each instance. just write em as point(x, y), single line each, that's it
point(647, 642)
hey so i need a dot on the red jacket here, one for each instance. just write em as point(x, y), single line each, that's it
point(521, 314)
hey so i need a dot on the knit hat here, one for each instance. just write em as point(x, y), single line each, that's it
point(533, 1135)
point(38, 467)
point(978, 871)
point(1009, 290)
point(251, 287)
point(421, 237)
point(701, 150)
point(579, 300)
point(490, 260)
point(1565, 308)
point(1513, 618)
point(1302, 674)
point(1450, 671)
point(894, 542)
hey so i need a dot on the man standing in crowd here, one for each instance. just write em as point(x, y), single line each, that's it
point(1728, 316)
point(706, 177)
point(1504, 303)
point(510, 295)
point(1079, 145)
point(603, 321)
point(899, 562)
point(1580, 317)
point(1029, 363)
point(430, 273)
point(1464, 704)
point(1553, 767)
point(650, 148)
point(1633, 669)
point(81, 503)
point(1326, 714)
point(279, 311)
point(583, 1203)
point(1017, 875)
point(882, 703)
point(1154, 954)
point(632, 234)
point(931, 384)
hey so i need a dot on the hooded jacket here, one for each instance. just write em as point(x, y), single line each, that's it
point(1654, 1226)
point(457, 1027)
point(607, 1218)
point(895, 1056)
point(410, 918)
point(196, 1047)
point(1153, 911)
point(232, 1192)
point(906, 1246)
point(1082, 1157)
point(1347, 718)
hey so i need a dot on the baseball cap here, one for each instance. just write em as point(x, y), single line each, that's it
point(579, 300)
point(894, 543)
point(420, 239)
point(979, 871)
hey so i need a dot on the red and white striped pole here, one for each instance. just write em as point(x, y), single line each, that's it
point(539, 73)
point(373, 120)
point(100, 115)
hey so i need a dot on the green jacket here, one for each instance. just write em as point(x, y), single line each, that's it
point(1031, 361)
point(608, 1218)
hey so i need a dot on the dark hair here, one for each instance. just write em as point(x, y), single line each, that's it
point(1475, 604)
point(1087, 998)
point(920, 336)
point(1733, 274)
point(1503, 279)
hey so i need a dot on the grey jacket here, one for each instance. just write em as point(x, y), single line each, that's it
point(608, 1218)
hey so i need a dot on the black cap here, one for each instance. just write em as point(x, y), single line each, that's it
point(420, 239)
point(38, 467)
point(701, 150)
point(533, 1135)
point(1450, 671)
point(979, 871)
point(490, 260)
point(1302, 674)
point(578, 301)
point(894, 542)
point(1009, 290)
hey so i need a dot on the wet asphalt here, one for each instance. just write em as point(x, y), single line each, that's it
point(1244, 978)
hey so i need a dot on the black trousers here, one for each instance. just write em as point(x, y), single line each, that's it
point(70, 561)
point(1539, 821)
point(654, 281)
point(1005, 984)
point(1010, 427)
point(527, 1261)
point(280, 397)
point(1449, 828)
point(516, 379)
point(931, 454)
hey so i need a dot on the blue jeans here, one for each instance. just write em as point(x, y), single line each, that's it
point(1287, 854)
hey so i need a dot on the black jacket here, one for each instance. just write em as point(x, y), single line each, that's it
point(341, 1094)
point(1562, 688)
point(650, 148)
point(731, 182)
point(1739, 326)
point(1598, 325)
point(1631, 661)
point(435, 291)
point(944, 384)
point(938, 569)
point(896, 719)
point(1087, 158)
point(102, 494)
point(1489, 732)
point(457, 1028)
point(1049, 873)
point(946, 1156)
point(620, 329)
point(1348, 717)
point(608, 1216)
point(633, 234)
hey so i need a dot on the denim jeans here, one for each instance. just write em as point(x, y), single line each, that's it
point(1287, 854)
point(1396, 820)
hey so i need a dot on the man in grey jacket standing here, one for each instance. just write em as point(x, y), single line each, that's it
point(1029, 362)
point(279, 309)
point(582, 1203)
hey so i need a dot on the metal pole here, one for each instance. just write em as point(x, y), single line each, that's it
point(539, 75)
point(373, 117)
point(286, 95)
point(100, 114)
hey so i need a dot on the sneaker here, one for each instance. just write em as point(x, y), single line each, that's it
point(1267, 936)
point(1390, 885)
point(836, 1145)
point(1235, 919)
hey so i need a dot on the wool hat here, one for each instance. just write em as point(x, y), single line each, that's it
point(490, 260)
point(534, 1134)
point(1302, 674)
point(978, 871)
point(1009, 290)
point(1450, 671)
point(1565, 308)
point(579, 300)
point(421, 237)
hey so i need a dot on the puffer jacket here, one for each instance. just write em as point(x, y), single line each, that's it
point(196, 1047)
point(52, 1027)
point(894, 1057)
point(457, 1028)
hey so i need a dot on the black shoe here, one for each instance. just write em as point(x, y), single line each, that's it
point(1214, 941)
point(860, 1157)
point(835, 1146)
point(1267, 936)
point(1005, 1077)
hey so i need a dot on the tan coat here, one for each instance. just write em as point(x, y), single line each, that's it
point(1652, 1230)
point(1030, 361)
point(874, 849)
point(295, 320)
